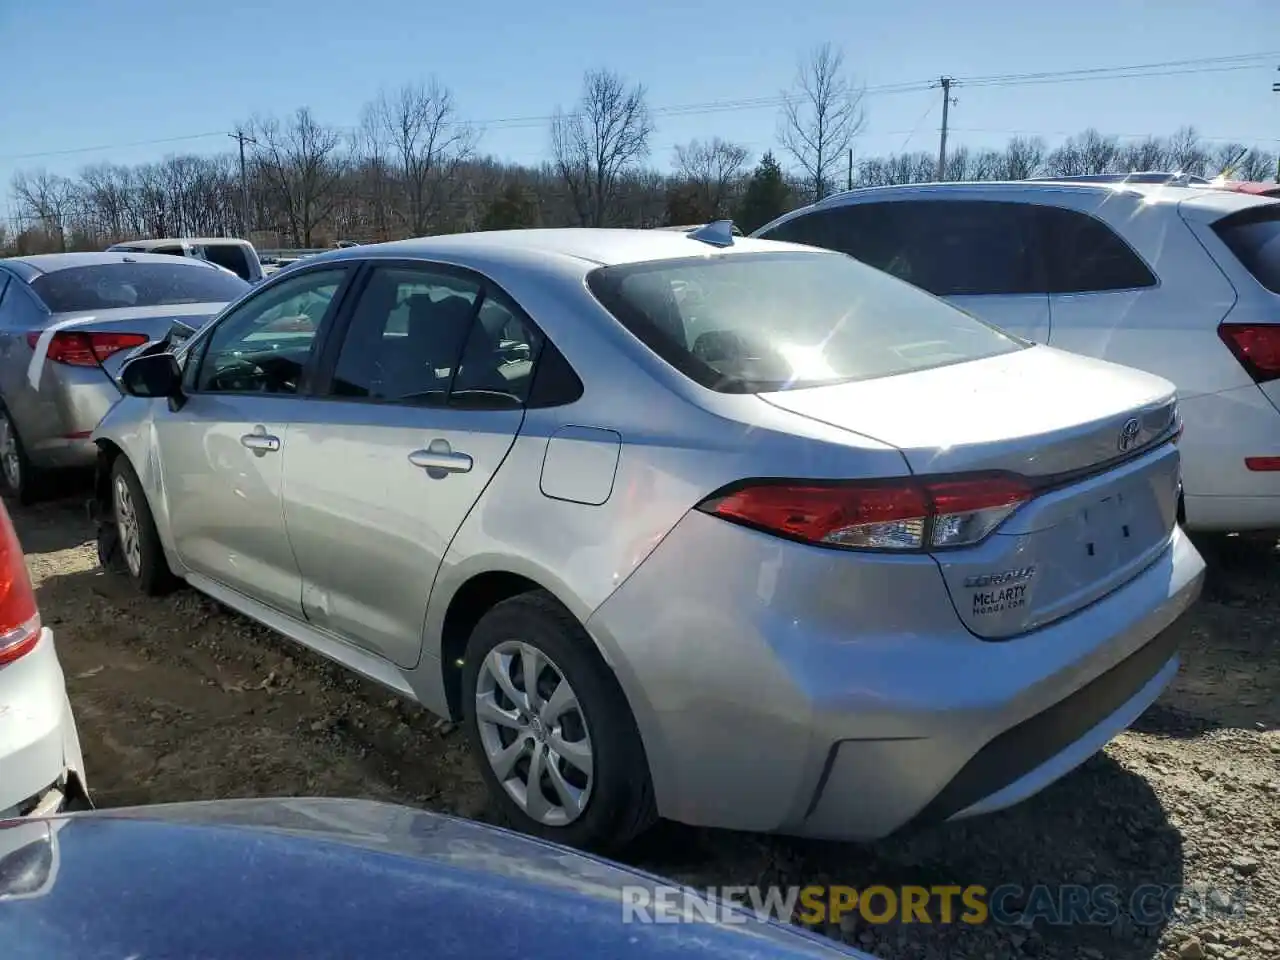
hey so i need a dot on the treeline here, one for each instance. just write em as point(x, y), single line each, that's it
point(414, 166)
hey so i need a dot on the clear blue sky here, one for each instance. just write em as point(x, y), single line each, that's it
point(90, 73)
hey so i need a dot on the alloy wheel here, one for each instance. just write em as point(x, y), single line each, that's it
point(10, 460)
point(127, 527)
point(534, 733)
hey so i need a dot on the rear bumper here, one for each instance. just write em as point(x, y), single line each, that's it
point(39, 744)
point(62, 415)
point(1220, 431)
point(836, 695)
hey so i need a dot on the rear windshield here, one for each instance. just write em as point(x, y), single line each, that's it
point(748, 323)
point(1253, 235)
point(107, 286)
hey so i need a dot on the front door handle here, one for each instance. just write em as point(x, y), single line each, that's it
point(260, 443)
point(444, 461)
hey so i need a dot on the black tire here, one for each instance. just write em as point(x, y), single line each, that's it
point(620, 805)
point(153, 577)
point(26, 491)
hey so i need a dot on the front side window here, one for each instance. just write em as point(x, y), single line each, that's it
point(107, 286)
point(263, 346)
point(747, 323)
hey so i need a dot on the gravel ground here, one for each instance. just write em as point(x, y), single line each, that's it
point(178, 699)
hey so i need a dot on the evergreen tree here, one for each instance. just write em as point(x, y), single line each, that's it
point(512, 209)
point(767, 196)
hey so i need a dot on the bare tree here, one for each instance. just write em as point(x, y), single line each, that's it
point(821, 116)
point(1257, 165)
point(1147, 154)
point(1023, 158)
point(594, 146)
point(427, 142)
point(712, 171)
point(302, 167)
point(47, 199)
point(369, 144)
point(1186, 153)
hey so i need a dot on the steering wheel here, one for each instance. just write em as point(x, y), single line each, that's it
point(238, 375)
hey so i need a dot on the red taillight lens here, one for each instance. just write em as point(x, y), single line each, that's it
point(1256, 346)
point(79, 349)
point(907, 514)
point(19, 618)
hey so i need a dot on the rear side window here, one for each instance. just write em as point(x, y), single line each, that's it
point(231, 256)
point(748, 323)
point(109, 286)
point(1084, 255)
point(1253, 237)
point(952, 248)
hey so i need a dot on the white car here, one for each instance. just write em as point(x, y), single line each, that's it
point(1180, 280)
point(41, 767)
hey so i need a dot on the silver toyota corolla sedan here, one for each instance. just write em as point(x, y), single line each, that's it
point(67, 323)
point(800, 549)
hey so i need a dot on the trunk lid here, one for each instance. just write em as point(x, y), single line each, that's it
point(1090, 436)
point(151, 322)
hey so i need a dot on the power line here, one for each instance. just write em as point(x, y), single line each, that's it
point(111, 146)
point(1252, 61)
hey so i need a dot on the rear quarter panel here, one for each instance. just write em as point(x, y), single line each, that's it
point(1169, 329)
point(679, 443)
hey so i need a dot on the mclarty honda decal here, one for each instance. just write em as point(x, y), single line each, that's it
point(999, 592)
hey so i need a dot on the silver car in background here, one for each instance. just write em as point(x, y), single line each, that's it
point(67, 323)
point(739, 533)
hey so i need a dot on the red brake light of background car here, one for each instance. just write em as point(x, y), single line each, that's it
point(1256, 346)
point(907, 514)
point(19, 616)
point(80, 349)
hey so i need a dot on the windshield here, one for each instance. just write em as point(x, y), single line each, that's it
point(773, 321)
point(109, 286)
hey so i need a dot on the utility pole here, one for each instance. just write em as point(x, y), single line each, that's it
point(242, 138)
point(850, 168)
point(1275, 88)
point(947, 100)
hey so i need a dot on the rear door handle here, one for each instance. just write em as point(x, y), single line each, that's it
point(260, 443)
point(443, 460)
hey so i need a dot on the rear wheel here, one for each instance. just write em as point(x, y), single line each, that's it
point(130, 544)
point(556, 743)
point(19, 476)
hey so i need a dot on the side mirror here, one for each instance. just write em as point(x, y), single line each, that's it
point(155, 376)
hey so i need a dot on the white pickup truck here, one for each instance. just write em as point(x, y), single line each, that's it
point(238, 256)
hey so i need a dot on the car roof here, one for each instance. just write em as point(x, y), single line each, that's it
point(1146, 192)
point(595, 246)
point(161, 241)
point(36, 265)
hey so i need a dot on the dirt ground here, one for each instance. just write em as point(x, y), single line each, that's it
point(179, 699)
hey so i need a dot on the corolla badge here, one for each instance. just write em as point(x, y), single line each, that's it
point(1000, 579)
point(1129, 434)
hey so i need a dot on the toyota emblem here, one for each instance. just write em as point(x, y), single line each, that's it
point(1129, 434)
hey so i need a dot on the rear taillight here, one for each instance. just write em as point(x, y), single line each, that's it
point(1256, 346)
point(19, 618)
point(906, 514)
point(80, 349)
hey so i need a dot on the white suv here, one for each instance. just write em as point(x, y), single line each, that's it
point(1183, 281)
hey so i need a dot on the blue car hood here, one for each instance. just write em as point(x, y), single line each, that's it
point(259, 879)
